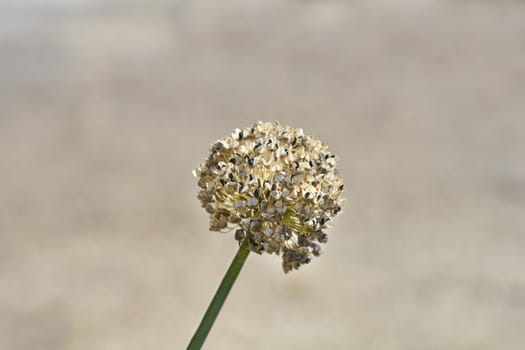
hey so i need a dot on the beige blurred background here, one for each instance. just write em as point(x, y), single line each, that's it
point(107, 106)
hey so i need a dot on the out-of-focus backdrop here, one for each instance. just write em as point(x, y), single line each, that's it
point(107, 106)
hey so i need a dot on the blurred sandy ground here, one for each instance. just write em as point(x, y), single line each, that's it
point(106, 107)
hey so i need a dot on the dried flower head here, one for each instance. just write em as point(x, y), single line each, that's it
point(276, 186)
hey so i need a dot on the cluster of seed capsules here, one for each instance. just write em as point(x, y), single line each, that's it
point(276, 187)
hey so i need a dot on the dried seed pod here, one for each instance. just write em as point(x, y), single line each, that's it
point(279, 187)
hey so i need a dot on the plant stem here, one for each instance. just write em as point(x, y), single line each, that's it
point(220, 296)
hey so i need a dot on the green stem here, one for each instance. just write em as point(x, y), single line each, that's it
point(219, 297)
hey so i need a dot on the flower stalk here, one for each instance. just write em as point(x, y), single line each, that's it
point(220, 296)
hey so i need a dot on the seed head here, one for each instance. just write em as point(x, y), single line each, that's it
point(277, 187)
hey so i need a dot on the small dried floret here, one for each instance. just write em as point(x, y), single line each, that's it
point(276, 186)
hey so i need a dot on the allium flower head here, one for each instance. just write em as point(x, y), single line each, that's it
point(276, 186)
